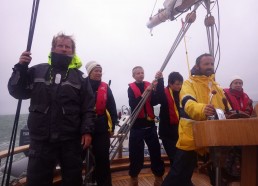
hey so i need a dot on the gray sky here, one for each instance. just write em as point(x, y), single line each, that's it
point(114, 33)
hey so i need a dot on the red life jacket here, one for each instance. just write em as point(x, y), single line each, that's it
point(173, 112)
point(243, 103)
point(137, 93)
point(101, 99)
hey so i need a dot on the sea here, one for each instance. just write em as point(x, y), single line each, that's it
point(6, 128)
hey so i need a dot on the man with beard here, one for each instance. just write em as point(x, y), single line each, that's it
point(197, 105)
point(61, 114)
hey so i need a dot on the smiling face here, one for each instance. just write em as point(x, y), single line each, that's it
point(237, 84)
point(96, 74)
point(176, 86)
point(206, 65)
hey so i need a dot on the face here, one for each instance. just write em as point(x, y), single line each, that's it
point(206, 66)
point(138, 75)
point(237, 84)
point(96, 74)
point(63, 46)
point(176, 86)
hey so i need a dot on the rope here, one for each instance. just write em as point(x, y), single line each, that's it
point(9, 159)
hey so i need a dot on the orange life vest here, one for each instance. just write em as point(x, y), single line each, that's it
point(149, 109)
point(173, 112)
point(101, 101)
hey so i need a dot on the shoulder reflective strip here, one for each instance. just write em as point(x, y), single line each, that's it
point(71, 84)
point(39, 80)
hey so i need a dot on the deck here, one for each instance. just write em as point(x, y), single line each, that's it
point(146, 178)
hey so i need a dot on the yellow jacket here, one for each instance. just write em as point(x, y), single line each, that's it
point(194, 96)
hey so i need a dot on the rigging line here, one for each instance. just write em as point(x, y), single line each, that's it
point(218, 47)
point(218, 35)
point(153, 8)
point(8, 164)
point(186, 52)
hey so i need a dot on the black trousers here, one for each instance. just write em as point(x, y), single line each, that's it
point(136, 151)
point(44, 156)
point(100, 149)
point(182, 168)
point(169, 143)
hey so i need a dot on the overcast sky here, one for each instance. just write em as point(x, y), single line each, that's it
point(114, 33)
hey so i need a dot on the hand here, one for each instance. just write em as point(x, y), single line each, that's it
point(158, 75)
point(209, 110)
point(86, 140)
point(25, 58)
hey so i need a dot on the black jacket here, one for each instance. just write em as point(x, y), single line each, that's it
point(57, 111)
point(165, 128)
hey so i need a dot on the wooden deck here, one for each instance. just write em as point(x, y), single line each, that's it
point(146, 178)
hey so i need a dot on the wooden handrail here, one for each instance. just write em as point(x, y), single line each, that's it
point(4, 153)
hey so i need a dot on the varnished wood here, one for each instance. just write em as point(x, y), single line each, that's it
point(249, 166)
point(233, 132)
point(4, 153)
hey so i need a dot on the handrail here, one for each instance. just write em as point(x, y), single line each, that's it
point(19, 149)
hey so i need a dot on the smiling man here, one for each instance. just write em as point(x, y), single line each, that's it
point(61, 114)
point(197, 105)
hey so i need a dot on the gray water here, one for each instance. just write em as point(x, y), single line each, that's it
point(6, 127)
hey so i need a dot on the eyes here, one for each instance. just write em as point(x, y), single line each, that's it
point(64, 46)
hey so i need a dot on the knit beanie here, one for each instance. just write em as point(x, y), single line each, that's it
point(235, 77)
point(91, 65)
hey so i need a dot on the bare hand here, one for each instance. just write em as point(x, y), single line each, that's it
point(209, 110)
point(158, 75)
point(86, 140)
point(25, 58)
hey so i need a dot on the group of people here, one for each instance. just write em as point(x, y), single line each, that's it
point(69, 112)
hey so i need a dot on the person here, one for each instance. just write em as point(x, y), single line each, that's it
point(105, 107)
point(143, 130)
point(61, 112)
point(236, 96)
point(239, 101)
point(169, 111)
point(198, 104)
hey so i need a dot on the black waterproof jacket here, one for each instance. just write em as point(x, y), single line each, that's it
point(60, 108)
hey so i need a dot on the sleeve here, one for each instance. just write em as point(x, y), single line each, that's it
point(19, 82)
point(111, 107)
point(88, 112)
point(190, 105)
point(133, 102)
point(160, 92)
